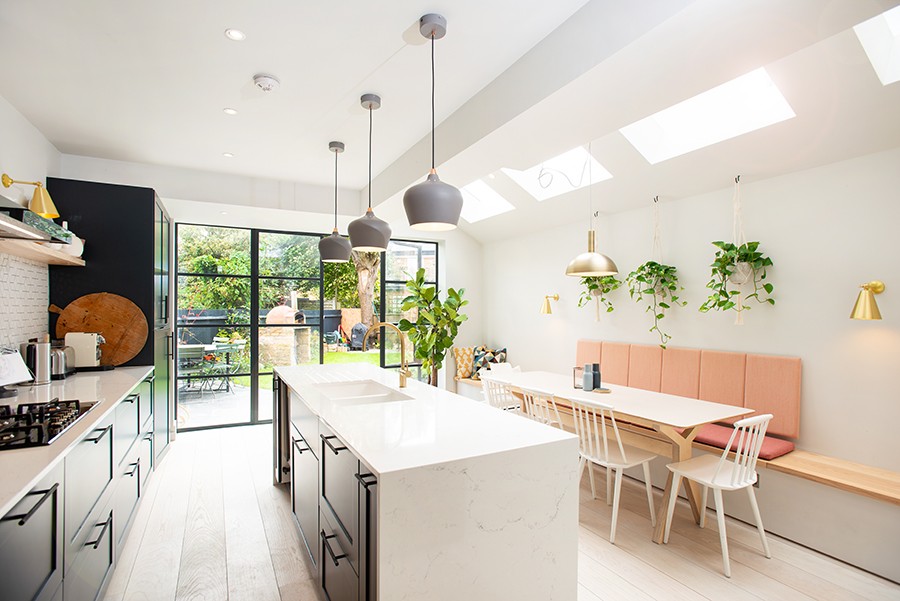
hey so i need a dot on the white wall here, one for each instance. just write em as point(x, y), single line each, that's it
point(827, 230)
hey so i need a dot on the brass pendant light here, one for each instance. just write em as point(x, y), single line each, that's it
point(369, 233)
point(335, 248)
point(433, 205)
point(591, 263)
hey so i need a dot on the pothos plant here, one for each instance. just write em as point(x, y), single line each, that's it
point(733, 266)
point(657, 284)
point(436, 325)
point(598, 287)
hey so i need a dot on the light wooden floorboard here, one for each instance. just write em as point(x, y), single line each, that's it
point(213, 527)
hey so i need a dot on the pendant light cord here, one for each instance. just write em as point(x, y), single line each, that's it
point(335, 189)
point(370, 156)
point(432, 101)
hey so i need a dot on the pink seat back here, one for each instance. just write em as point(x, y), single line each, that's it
point(722, 377)
point(587, 351)
point(773, 386)
point(614, 363)
point(681, 372)
point(645, 367)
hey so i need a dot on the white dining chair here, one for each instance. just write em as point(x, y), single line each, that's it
point(498, 394)
point(593, 421)
point(722, 473)
point(540, 406)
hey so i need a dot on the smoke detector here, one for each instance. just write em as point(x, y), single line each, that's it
point(264, 82)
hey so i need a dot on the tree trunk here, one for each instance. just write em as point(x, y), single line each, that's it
point(433, 377)
point(367, 272)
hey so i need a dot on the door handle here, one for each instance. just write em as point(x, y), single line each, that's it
point(106, 524)
point(24, 517)
point(100, 436)
point(334, 558)
point(327, 440)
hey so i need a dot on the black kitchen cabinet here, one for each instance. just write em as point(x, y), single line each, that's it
point(127, 252)
point(93, 561)
point(338, 579)
point(340, 490)
point(305, 492)
point(31, 543)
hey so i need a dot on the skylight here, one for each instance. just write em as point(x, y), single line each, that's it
point(737, 107)
point(480, 201)
point(561, 174)
point(880, 38)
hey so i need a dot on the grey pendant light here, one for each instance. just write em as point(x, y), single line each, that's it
point(335, 248)
point(433, 205)
point(369, 233)
point(591, 263)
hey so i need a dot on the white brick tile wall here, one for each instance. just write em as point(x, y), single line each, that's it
point(24, 298)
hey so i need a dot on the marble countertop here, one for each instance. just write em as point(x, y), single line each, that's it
point(21, 469)
point(434, 427)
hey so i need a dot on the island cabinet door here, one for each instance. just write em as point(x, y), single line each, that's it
point(31, 543)
point(368, 512)
point(340, 491)
point(339, 581)
point(305, 493)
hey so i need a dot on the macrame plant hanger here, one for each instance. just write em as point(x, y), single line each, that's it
point(656, 249)
point(741, 271)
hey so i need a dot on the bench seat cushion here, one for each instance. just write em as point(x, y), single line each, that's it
point(717, 436)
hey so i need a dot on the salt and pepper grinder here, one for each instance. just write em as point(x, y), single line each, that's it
point(588, 378)
point(595, 370)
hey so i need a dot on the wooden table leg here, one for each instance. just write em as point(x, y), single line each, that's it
point(682, 449)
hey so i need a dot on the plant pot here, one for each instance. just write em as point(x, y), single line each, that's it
point(742, 274)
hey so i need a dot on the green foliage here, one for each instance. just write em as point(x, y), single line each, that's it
point(725, 265)
point(340, 283)
point(598, 286)
point(657, 284)
point(437, 323)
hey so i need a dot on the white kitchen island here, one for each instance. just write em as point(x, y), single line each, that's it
point(471, 503)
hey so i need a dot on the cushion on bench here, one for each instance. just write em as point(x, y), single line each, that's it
point(587, 351)
point(614, 363)
point(681, 372)
point(645, 367)
point(717, 436)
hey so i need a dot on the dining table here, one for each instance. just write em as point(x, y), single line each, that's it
point(674, 419)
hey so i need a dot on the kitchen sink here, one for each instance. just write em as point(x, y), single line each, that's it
point(361, 391)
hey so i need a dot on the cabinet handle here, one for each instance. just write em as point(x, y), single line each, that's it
point(100, 436)
point(135, 467)
point(366, 483)
point(24, 517)
point(148, 436)
point(106, 524)
point(334, 558)
point(327, 440)
point(150, 379)
point(299, 450)
point(131, 398)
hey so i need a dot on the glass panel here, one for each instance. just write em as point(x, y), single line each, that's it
point(393, 299)
point(212, 351)
point(265, 397)
point(405, 258)
point(289, 301)
point(213, 300)
point(288, 255)
point(392, 348)
point(417, 373)
point(213, 250)
point(287, 346)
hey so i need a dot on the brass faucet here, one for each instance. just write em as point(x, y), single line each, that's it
point(404, 367)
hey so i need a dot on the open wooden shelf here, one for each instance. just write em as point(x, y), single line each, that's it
point(28, 249)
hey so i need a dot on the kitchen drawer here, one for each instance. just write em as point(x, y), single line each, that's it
point(145, 403)
point(128, 491)
point(88, 473)
point(127, 425)
point(31, 545)
point(340, 489)
point(92, 563)
point(339, 581)
point(146, 455)
point(306, 422)
point(305, 493)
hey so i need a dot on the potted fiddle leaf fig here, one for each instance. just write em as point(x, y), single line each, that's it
point(657, 285)
point(732, 267)
point(598, 287)
point(436, 323)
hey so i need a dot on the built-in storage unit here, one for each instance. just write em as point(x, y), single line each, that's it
point(31, 542)
point(130, 259)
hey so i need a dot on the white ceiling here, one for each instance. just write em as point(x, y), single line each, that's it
point(517, 83)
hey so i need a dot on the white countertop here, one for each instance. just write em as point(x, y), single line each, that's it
point(435, 427)
point(21, 469)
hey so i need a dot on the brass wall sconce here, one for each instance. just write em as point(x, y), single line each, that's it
point(40, 202)
point(866, 307)
point(546, 309)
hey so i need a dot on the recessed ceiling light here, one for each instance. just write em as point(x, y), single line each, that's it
point(742, 105)
point(229, 111)
point(235, 34)
point(880, 38)
point(480, 201)
point(223, 212)
point(561, 174)
point(228, 155)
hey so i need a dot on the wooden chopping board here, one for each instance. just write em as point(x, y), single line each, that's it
point(119, 320)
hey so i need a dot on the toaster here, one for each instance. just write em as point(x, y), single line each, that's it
point(62, 361)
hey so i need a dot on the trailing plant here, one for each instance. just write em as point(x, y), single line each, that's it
point(731, 265)
point(436, 323)
point(657, 284)
point(598, 287)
